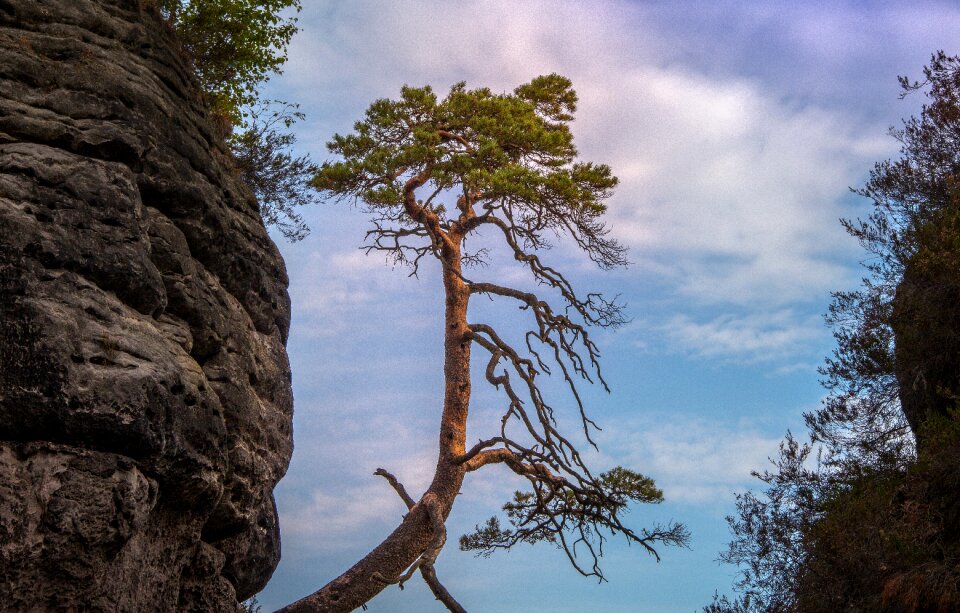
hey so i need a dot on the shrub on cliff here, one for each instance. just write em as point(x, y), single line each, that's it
point(234, 47)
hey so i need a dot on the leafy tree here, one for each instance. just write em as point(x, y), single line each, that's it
point(235, 45)
point(871, 524)
point(433, 173)
point(896, 360)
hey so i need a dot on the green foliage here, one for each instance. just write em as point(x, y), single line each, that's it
point(235, 45)
point(546, 514)
point(278, 178)
point(621, 486)
point(887, 541)
point(515, 149)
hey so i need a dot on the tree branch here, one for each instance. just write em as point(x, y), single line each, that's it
point(426, 560)
point(391, 241)
point(448, 135)
point(421, 214)
point(439, 591)
point(396, 485)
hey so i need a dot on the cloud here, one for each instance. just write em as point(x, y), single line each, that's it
point(332, 291)
point(698, 462)
point(730, 191)
point(761, 337)
point(331, 518)
point(331, 495)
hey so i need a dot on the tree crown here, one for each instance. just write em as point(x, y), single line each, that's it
point(510, 154)
point(235, 45)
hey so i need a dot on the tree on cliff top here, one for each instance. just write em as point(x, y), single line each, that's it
point(433, 173)
point(263, 157)
point(234, 47)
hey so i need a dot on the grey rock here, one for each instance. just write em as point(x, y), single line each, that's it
point(145, 399)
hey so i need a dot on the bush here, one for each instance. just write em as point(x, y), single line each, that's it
point(265, 163)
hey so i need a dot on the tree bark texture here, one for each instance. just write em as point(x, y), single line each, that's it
point(411, 538)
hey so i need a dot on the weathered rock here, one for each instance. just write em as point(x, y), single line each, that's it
point(145, 400)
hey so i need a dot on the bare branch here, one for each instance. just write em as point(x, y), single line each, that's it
point(396, 485)
point(441, 593)
point(392, 241)
point(480, 446)
point(594, 309)
point(554, 333)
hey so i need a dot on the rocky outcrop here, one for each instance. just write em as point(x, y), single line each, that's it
point(145, 400)
point(924, 319)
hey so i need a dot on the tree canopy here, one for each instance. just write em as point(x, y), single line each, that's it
point(432, 173)
point(507, 153)
point(235, 45)
point(860, 517)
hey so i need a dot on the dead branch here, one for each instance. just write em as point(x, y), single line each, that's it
point(396, 485)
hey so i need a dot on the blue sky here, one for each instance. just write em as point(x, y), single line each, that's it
point(736, 129)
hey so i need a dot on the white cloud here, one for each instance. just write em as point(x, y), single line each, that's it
point(330, 496)
point(331, 518)
point(331, 292)
point(696, 462)
point(760, 337)
point(728, 191)
point(736, 194)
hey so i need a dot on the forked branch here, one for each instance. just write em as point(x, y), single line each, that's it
point(426, 560)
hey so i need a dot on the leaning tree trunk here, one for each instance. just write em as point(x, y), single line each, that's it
point(399, 551)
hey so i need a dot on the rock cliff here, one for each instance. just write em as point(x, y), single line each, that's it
point(145, 400)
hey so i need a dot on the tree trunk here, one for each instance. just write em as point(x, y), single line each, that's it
point(405, 544)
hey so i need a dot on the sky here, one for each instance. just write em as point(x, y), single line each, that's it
point(737, 130)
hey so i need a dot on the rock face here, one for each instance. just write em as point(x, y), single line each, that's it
point(145, 400)
point(926, 311)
